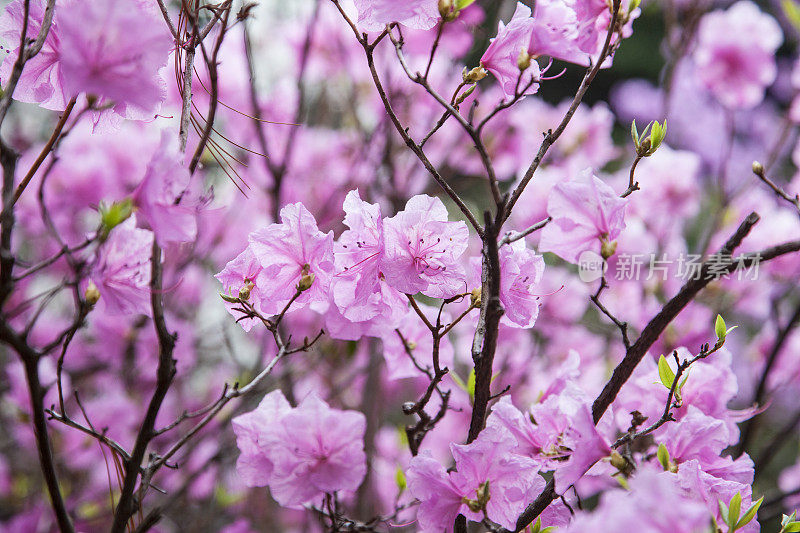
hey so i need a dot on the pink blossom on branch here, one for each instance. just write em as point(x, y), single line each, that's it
point(576, 30)
point(242, 278)
point(302, 453)
point(586, 213)
point(359, 288)
point(559, 434)
point(292, 251)
point(423, 249)
point(502, 56)
point(488, 476)
point(521, 271)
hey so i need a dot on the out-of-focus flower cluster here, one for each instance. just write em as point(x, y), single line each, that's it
point(307, 204)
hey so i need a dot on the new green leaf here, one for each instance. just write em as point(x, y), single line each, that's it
point(750, 514)
point(665, 373)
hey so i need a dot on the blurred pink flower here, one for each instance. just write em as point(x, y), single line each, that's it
point(418, 341)
point(160, 198)
point(374, 15)
point(654, 503)
point(735, 54)
point(41, 81)
point(122, 270)
point(113, 50)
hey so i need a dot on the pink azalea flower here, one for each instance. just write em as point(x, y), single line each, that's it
point(706, 488)
point(555, 31)
point(358, 288)
point(115, 50)
point(574, 31)
point(735, 54)
point(587, 446)
point(512, 481)
point(41, 81)
point(374, 15)
point(504, 50)
point(122, 270)
point(559, 435)
point(252, 429)
point(160, 199)
point(244, 273)
point(289, 252)
point(700, 437)
point(302, 453)
point(585, 213)
point(521, 271)
point(422, 249)
point(315, 450)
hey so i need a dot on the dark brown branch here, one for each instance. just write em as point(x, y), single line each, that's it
point(164, 376)
point(491, 311)
point(656, 326)
point(45, 150)
point(758, 170)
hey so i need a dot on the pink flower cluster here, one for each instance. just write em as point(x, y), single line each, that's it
point(359, 282)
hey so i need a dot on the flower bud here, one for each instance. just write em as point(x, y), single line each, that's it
point(619, 462)
point(474, 75)
point(523, 60)
point(306, 282)
point(91, 294)
point(608, 249)
point(474, 505)
point(475, 297)
point(483, 494)
point(758, 168)
point(113, 215)
point(244, 290)
point(448, 10)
